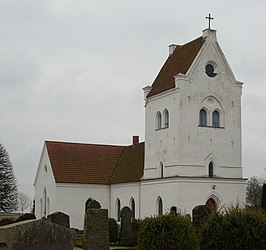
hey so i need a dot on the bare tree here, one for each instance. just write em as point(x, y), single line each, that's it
point(23, 202)
point(253, 192)
point(8, 186)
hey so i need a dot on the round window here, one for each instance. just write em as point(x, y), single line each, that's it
point(210, 70)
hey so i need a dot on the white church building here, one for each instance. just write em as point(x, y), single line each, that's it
point(191, 155)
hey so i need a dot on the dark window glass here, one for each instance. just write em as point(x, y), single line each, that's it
point(166, 118)
point(211, 170)
point(158, 121)
point(118, 207)
point(216, 119)
point(203, 117)
point(209, 69)
point(133, 208)
point(160, 206)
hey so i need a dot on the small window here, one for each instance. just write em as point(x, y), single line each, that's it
point(118, 208)
point(166, 118)
point(203, 117)
point(45, 203)
point(211, 170)
point(41, 207)
point(159, 206)
point(216, 119)
point(132, 205)
point(210, 70)
point(48, 205)
point(158, 120)
point(161, 170)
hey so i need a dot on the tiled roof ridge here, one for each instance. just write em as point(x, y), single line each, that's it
point(92, 144)
point(84, 143)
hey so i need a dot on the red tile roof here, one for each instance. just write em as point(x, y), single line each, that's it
point(95, 164)
point(177, 62)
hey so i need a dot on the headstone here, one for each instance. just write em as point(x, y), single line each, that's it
point(173, 210)
point(188, 217)
point(96, 227)
point(93, 204)
point(126, 236)
point(59, 218)
point(200, 214)
point(36, 234)
point(87, 203)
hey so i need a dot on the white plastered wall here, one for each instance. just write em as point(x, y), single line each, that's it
point(44, 180)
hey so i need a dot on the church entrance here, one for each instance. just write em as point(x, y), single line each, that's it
point(211, 204)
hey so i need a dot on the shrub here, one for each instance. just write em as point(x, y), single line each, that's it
point(113, 230)
point(166, 232)
point(26, 216)
point(235, 229)
point(135, 229)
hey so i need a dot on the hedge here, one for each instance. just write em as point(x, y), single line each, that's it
point(235, 229)
point(166, 232)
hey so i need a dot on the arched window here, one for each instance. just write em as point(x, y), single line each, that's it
point(41, 207)
point(159, 206)
point(166, 118)
point(45, 202)
point(158, 120)
point(132, 205)
point(216, 119)
point(48, 205)
point(161, 170)
point(203, 117)
point(211, 170)
point(118, 208)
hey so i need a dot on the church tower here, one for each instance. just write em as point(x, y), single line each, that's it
point(193, 131)
point(193, 114)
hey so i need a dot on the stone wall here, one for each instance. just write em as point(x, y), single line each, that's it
point(36, 234)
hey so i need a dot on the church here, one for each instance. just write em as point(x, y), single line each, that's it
point(191, 154)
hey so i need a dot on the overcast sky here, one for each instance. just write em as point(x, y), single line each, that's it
point(73, 70)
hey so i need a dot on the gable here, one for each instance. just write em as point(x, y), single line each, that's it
point(93, 163)
point(177, 62)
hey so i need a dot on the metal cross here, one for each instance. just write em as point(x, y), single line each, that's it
point(210, 18)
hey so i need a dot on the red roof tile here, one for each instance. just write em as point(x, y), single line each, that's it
point(130, 166)
point(93, 163)
point(177, 62)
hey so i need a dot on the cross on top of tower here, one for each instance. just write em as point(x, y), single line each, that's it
point(210, 18)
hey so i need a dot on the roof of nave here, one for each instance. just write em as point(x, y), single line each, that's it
point(94, 163)
point(177, 62)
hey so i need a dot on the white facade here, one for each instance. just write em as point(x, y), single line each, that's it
point(186, 162)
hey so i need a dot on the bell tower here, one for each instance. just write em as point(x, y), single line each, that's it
point(193, 114)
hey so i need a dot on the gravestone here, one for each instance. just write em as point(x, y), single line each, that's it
point(36, 234)
point(173, 210)
point(188, 217)
point(126, 236)
point(96, 227)
point(93, 204)
point(200, 214)
point(87, 203)
point(59, 218)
